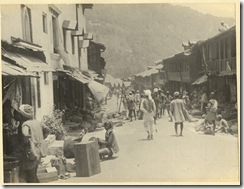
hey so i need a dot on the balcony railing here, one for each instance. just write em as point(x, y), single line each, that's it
point(222, 65)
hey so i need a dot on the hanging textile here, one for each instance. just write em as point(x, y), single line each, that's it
point(14, 94)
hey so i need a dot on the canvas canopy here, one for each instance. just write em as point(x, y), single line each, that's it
point(98, 90)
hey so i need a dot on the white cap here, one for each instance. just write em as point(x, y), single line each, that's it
point(147, 93)
point(155, 90)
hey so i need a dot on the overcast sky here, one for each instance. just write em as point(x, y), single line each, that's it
point(221, 10)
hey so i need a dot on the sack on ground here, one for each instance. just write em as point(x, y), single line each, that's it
point(208, 131)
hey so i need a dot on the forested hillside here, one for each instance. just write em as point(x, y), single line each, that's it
point(137, 35)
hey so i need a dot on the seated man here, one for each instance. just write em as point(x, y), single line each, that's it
point(108, 146)
point(223, 125)
point(200, 125)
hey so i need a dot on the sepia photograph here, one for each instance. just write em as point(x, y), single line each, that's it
point(120, 93)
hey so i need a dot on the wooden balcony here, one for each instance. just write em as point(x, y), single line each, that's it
point(222, 65)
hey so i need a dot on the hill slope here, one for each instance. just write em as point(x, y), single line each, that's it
point(137, 35)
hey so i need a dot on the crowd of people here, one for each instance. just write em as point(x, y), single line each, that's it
point(153, 105)
point(148, 106)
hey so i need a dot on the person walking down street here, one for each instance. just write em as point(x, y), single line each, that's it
point(109, 146)
point(137, 101)
point(161, 103)
point(168, 99)
point(131, 105)
point(163, 96)
point(177, 110)
point(211, 109)
point(148, 108)
point(33, 144)
point(204, 100)
point(140, 117)
point(155, 97)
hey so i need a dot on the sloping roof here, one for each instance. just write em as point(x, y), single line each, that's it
point(158, 62)
point(28, 62)
point(219, 34)
point(10, 69)
point(158, 67)
point(200, 80)
point(76, 74)
point(147, 72)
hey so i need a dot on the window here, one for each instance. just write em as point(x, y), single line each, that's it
point(44, 22)
point(55, 26)
point(38, 92)
point(26, 23)
point(46, 78)
point(55, 37)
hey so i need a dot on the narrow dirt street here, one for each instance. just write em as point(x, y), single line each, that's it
point(167, 159)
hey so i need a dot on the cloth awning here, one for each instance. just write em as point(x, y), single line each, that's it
point(10, 69)
point(200, 80)
point(30, 63)
point(98, 90)
point(69, 24)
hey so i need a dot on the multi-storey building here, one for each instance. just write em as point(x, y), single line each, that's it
point(182, 69)
point(219, 64)
point(44, 52)
point(149, 79)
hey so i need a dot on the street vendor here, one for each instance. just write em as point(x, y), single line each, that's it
point(110, 145)
point(223, 126)
point(211, 109)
